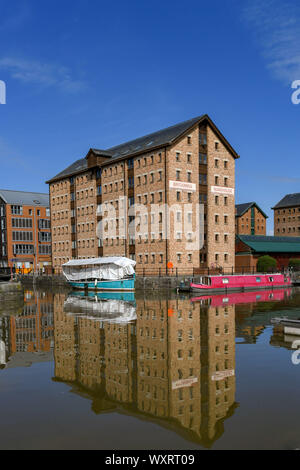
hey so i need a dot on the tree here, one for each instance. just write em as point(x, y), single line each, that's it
point(266, 263)
point(294, 263)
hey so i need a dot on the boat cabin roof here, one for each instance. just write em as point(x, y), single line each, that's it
point(117, 260)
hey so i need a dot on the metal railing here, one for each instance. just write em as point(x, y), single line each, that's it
point(145, 271)
point(156, 271)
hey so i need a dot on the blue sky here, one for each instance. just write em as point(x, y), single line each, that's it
point(83, 74)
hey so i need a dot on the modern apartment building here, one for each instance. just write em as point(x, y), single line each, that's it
point(25, 235)
point(165, 200)
point(287, 216)
point(250, 219)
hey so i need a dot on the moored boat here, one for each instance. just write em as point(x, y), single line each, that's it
point(114, 273)
point(240, 282)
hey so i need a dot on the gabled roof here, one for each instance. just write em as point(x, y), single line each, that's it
point(24, 198)
point(242, 208)
point(290, 200)
point(147, 143)
point(265, 244)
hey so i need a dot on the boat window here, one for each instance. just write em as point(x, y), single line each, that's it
point(225, 280)
point(271, 279)
point(258, 279)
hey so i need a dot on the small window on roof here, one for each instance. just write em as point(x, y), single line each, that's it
point(271, 279)
point(258, 279)
point(225, 280)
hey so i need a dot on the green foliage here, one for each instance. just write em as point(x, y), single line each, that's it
point(266, 263)
point(294, 263)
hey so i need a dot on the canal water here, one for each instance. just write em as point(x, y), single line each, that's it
point(150, 371)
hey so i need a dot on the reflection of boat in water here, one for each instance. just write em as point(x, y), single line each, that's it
point(287, 322)
point(286, 333)
point(238, 283)
point(290, 325)
point(114, 273)
point(219, 300)
point(103, 309)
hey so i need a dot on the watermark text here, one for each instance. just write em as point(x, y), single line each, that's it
point(2, 92)
point(296, 95)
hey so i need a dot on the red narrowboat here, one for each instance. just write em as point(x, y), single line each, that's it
point(236, 298)
point(240, 282)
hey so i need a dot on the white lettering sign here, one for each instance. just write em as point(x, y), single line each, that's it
point(183, 186)
point(184, 383)
point(222, 190)
point(222, 375)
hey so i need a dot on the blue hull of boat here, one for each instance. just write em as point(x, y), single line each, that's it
point(121, 285)
point(126, 296)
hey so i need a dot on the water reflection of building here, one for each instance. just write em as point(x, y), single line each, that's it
point(28, 337)
point(253, 315)
point(175, 364)
point(286, 335)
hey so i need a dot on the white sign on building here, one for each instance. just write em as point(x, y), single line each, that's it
point(184, 383)
point(222, 375)
point(222, 190)
point(181, 185)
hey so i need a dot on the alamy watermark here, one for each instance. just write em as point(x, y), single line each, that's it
point(139, 223)
point(296, 354)
point(2, 92)
point(296, 94)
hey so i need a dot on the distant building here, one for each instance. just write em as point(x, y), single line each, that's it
point(25, 236)
point(249, 248)
point(287, 216)
point(250, 219)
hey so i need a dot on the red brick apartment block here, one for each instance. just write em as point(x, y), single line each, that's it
point(250, 219)
point(287, 216)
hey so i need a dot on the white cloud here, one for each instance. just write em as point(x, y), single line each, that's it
point(276, 27)
point(42, 74)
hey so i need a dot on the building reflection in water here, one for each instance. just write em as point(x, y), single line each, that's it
point(256, 309)
point(28, 337)
point(166, 360)
point(174, 364)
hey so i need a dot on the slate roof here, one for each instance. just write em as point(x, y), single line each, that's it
point(142, 144)
point(156, 139)
point(24, 198)
point(267, 244)
point(76, 167)
point(290, 200)
point(242, 208)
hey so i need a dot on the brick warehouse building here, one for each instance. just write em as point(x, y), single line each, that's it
point(250, 248)
point(25, 241)
point(287, 216)
point(188, 163)
point(250, 219)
